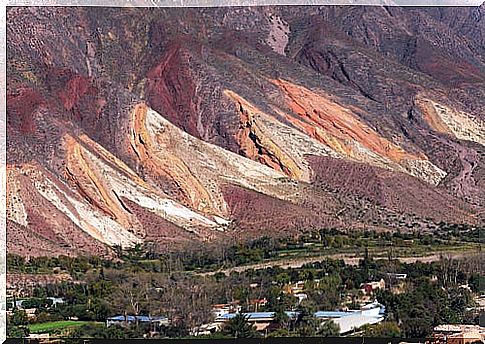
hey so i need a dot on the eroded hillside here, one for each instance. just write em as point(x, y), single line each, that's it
point(172, 125)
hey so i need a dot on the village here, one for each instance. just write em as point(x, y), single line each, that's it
point(225, 291)
point(359, 313)
point(348, 321)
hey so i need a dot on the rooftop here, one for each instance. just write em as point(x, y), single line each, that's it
point(256, 315)
point(332, 314)
point(458, 328)
point(356, 320)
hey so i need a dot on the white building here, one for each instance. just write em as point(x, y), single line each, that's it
point(349, 321)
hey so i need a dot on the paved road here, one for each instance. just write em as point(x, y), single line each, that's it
point(350, 259)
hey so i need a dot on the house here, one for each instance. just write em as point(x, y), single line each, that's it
point(206, 329)
point(257, 316)
point(480, 302)
point(121, 320)
point(371, 287)
point(30, 312)
point(256, 303)
point(446, 329)
point(295, 288)
point(226, 308)
point(56, 300)
point(459, 334)
point(327, 315)
point(466, 338)
point(37, 336)
point(395, 276)
point(301, 297)
point(355, 321)
point(261, 320)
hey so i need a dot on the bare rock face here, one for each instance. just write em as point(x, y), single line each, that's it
point(179, 125)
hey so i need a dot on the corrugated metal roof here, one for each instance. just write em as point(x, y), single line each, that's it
point(332, 314)
point(256, 315)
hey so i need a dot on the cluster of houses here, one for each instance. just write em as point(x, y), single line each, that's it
point(349, 321)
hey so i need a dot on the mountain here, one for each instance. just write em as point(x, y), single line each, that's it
point(181, 125)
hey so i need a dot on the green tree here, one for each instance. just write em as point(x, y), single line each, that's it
point(328, 329)
point(387, 329)
point(477, 283)
point(239, 327)
point(16, 331)
point(307, 324)
point(282, 332)
point(281, 318)
point(17, 324)
point(326, 294)
point(19, 318)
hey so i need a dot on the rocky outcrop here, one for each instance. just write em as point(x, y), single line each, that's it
point(153, 147)
point(343, 132)
point(51, 217)
point(257, 145)
point(459, 124)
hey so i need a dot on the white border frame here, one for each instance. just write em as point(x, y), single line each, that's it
point(140, 3)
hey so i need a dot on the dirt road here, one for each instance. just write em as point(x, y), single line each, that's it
point(350, 259)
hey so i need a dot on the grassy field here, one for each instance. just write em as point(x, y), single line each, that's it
point(49, 327)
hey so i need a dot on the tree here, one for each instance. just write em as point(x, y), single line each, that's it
point(328, 329)
point(309, 327)
point(281, 318)
point(387, 329)
point(327, 294)
point(477, 283)
point(132, 294)
point(17, 331)
point(19, 318)
point(17, 324)
point(282, 332)
point(307, 324)
point(239, 327)
point(186, 301)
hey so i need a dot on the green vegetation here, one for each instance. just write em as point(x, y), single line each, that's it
point(425, 306)
point(17, 325)
point(213, 256)
point(328, 329)
point(239, 327)
point(100, 331)
point(477, 283)
point(49, 327)
point(143, 282)
point(386, 329)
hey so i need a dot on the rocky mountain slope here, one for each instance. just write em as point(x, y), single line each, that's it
point(166, 125)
